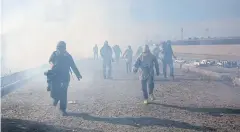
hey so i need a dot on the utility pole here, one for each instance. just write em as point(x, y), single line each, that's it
point(182, 33)
point(207, 32)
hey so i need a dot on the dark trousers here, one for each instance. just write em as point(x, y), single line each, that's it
point(147, 86)
point(95, 56)
point(59, 93)
point(107, 65)
point(117, 57)
point(165, 64)
point(129, 66)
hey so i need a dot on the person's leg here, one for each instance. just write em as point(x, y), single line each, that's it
point(130, 66)
point(164, 64)
point(171, 69)
point(127, 65)
point(63, 99)
point(144, 90)
point(109, 69)
point(151, 87)
point(117, 58)
point(151, 84)
point(104, 69)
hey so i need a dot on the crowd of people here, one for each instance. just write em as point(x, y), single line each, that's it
point(163, 53)
point(146, 63)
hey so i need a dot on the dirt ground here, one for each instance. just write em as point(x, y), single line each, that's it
point(187, 104)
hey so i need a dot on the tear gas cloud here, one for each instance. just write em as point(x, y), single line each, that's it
point(32, 28)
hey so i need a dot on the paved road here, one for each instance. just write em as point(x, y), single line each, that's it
point(186, 104)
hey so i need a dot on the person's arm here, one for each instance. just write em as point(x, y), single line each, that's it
point(124, 53)
point(52, 59)
point(137, 64)
point(74, 68)
point(120, 51)
point(163, 49)
point(172, 52)
point(101, 52)
point(155, 61)
point(111, 51)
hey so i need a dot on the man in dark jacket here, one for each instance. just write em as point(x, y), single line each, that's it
point(167, 58)
point(106, 53)
point(61, 62)
point(128, 55)
point(117, 52)
point(95, 52)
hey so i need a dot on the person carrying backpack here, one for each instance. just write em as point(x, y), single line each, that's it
point(61, 62)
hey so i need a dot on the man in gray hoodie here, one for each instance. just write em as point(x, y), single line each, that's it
point(146, 63)
point(106, 53)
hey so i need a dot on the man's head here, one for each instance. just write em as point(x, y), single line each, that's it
point(129, 47)
point(61, 46)
point(106, 43)
point(168, 42)
point(164, 43)
point(146, 49)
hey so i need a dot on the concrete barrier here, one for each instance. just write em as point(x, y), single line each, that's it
point(16, 80)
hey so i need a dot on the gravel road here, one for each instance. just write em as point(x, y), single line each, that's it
point(97, 105)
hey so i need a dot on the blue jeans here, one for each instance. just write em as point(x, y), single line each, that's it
point(129, 66)
point(107, 64)
point(147, 86)
point(165, 64)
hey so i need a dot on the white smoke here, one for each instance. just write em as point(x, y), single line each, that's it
point(31, 32)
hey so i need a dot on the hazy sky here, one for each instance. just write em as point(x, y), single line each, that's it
point(31, 27)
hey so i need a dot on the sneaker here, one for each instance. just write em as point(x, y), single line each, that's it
point(64, 112)
point(55, 103)
point(152, 97)
point(145, 102)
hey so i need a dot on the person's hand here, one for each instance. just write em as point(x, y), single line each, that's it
point(79, 77)
point(174, 57)
point(135, 70)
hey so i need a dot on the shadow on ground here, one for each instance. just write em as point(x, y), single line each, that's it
point(141, 121)
point(17, 125)
point(211, 111)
